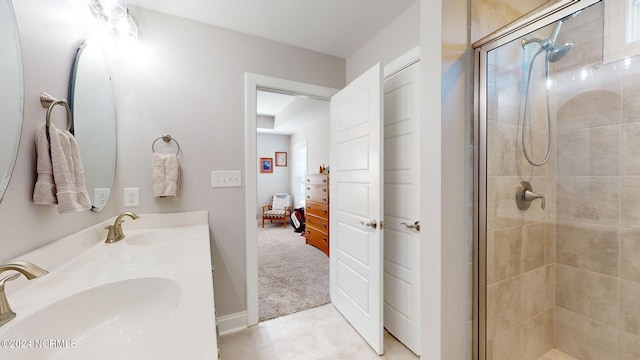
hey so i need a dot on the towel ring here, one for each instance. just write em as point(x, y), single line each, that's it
point(50, 102)
point(165, 138)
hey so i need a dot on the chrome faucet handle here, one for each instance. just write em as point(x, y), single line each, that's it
point(525, 195)
point(530, 196)
point(111, 235)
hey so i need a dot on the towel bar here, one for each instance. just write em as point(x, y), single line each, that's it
point(50, 102)
point(165, 138)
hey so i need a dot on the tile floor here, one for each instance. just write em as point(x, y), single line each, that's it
point(320, 333)
point(555, 354)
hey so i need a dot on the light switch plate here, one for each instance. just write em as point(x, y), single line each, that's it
point(226, 179)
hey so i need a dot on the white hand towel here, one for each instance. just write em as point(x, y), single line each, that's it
point(166, 175)
point(44, 192)
point(68, 173)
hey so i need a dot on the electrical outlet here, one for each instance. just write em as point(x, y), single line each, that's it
point(226, 179)
point(131, 197)
point(100, 197)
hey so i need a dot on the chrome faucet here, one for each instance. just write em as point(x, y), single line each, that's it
point(29, 270)
point(115, 231)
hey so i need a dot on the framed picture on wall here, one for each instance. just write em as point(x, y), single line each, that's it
point(281, 158)
point(266, 165)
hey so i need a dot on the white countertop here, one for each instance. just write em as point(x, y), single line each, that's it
point(168, 247)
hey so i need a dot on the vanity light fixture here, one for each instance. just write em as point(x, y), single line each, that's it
point(116, 14)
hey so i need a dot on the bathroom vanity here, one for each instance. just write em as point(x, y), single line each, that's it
point(148, 296)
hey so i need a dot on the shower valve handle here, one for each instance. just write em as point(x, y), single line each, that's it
point(530, 196)
point(525, 195)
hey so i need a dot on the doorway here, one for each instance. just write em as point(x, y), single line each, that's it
point(256, 82)
point(292, 132)
point(253, 83)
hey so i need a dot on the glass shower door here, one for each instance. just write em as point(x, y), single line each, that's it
point(558, 140)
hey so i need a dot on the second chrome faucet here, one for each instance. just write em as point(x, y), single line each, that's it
point(115, 231)
point(29, 270)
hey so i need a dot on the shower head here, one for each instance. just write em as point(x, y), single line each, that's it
point(549, 44)
point(555, 52)
point(558, 51)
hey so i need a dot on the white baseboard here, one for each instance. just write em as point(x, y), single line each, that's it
point(232, 323)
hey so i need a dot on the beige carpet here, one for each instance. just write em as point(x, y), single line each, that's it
point(292, 276)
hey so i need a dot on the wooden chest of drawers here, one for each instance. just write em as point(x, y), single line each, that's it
point(317, 211)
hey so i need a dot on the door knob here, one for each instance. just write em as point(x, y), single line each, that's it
point(372, 224)
point(415, 226)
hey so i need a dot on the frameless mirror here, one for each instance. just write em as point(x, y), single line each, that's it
point(94, 121)
point(11, 93)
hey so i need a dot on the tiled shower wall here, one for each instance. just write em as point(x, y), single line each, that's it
point(569, 276)
point(597, 303)
point(488, 16)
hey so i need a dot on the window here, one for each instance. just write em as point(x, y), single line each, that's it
point(621, 29)
point(299, 172)
point(633, 21)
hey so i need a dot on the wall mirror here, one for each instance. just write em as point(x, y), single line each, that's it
point(94, 121)
point(11, 93)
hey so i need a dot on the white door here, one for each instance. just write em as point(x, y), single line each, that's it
point(356, 199)
point(402, 206)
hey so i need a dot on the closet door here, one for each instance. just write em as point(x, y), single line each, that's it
point(402, 207)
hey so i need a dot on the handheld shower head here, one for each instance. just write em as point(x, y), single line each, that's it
point(558, 51)
point(554, 52)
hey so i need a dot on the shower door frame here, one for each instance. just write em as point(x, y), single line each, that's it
point(538, 18)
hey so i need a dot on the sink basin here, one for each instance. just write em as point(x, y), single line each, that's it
point(104, 316)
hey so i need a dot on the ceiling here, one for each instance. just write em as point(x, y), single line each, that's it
point(334, 27)
point(271, 104)
point(288, 114)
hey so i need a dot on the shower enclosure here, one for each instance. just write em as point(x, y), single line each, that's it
point(557, 140)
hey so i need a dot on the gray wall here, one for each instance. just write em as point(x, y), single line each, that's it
point(193, 88)
point(397, 38)
point(316, 135)
point(457, 179)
